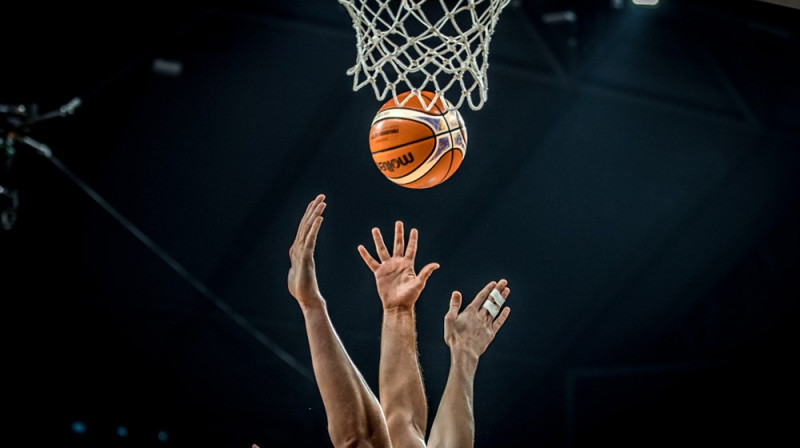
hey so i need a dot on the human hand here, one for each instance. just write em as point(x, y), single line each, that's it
point(302, 273)
point(398, 285)
point(473, 329)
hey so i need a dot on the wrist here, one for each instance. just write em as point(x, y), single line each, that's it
point(399, 311)
point(464, 357)
point(312, 304)
point(398, 318)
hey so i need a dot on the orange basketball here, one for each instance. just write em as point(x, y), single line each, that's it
point(414, 147)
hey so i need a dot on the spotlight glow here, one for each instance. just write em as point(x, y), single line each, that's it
point(645, 2)
point(78, 427)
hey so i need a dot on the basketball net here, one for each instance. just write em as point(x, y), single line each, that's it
point(417, 45)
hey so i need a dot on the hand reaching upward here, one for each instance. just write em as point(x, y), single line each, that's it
point(474, 328)
point(468, 333)
point(398, 284)
point(302, 279)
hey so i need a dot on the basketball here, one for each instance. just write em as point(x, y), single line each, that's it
point(414, 147)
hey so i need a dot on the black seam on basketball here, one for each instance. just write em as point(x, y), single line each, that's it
point(448, 131)
point(447, 123)
point(417, 141)
point(452, 158)
point(406, 144)
point(432, 166)
point(449, 166)
point(415, 120)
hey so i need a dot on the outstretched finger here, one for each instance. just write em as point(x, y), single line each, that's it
point(383, 254)
point(399, 239)
point(316, 213)
point(411, 249)
point(311, 239)
point(501, 285)
point(302, 223)
point(302, 228)
point(501, 319)
point(372, 263)
point(481, 296)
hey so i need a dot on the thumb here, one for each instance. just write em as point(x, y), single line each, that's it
point(455, 305)
point(426, 272)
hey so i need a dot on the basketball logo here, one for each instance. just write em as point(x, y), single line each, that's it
point(414, 147)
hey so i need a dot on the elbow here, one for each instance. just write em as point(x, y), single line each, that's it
point(405, 429)
point(359, 433)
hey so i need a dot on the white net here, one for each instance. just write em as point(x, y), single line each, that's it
point(440, 46)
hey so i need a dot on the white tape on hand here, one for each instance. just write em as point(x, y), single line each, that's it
point(498, 298)
point(491, 307)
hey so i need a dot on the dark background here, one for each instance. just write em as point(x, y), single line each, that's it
point(633, 174)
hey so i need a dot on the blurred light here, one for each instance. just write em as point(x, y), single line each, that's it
point(122, 431)
point(166, 67)
point(788, 3)
point(645, 2)
point(617, 4)
point(78, 427)
point(559, 17)
point(162, 436)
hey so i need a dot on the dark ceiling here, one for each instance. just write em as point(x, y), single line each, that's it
point(634, 175)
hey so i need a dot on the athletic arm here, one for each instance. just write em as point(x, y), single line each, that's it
point(401, 389)
point(355, 417)
point(468, 334)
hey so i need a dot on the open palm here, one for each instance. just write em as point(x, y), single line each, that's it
point(398, 284)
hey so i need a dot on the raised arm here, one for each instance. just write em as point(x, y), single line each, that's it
point(468, 334)
point(355, 417)
point(401, 389)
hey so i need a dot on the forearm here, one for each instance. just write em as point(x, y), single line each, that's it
point(454, 424)
point(402, 393)
point(352, 410)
